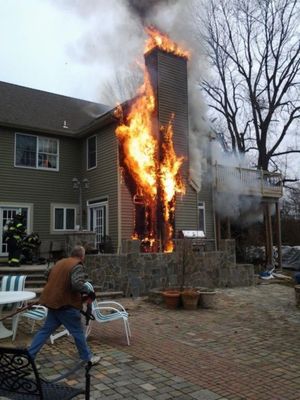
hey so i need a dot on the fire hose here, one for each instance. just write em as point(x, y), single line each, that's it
point(19, 310)
point(88, 298)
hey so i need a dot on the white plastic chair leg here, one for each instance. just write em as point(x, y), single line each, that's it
point(58, 335)
point(126, 331)
point(15, 322)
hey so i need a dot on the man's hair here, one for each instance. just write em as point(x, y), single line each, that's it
point(78, 251)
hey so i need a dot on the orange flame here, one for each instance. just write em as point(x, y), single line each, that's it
point(156, 177)
point(139, 146)
point(170, 180)
point(163, 42)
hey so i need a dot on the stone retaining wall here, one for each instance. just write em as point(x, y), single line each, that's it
point(137, 273)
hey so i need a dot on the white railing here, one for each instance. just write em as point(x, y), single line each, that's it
point(247, 181)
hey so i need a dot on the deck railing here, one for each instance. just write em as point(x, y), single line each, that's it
point(247, 181)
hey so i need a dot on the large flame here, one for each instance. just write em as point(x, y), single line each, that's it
point(163, 42)
point(139, 146)
point(170, 181)
point(150, 158)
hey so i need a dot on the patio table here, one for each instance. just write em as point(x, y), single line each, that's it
point(11, 296)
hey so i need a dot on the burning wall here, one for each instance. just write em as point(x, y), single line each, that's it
point(152, 158)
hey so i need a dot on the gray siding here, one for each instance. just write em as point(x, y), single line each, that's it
point(38, 187)
point(127, 212)
point(169, 77)
point(103, 180)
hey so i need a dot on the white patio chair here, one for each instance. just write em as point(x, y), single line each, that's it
point(108, 311)
point(38, 313)
point(35, 313)
point(9, 283)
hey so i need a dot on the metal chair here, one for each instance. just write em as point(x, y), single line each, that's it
point(19, 379)
point(56, 252)
point(108, 311)
point(8, 283)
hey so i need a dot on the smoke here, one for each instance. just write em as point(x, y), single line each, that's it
point(144, 9)
point(115, 40)
point(177, 19)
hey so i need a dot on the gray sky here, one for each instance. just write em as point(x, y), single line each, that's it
point(64, 46)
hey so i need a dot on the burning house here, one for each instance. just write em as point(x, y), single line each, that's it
point(153, 141)
point(135, 158)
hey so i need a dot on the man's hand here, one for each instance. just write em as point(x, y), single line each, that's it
point(88, 297)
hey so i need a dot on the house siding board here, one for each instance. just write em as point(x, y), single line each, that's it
point(40, 188)
point(170, 83)
point(127, 213)
point(103, 180)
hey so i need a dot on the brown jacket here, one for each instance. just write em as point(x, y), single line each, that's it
point(58, 292)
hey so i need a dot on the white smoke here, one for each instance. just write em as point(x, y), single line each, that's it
point(115, 41)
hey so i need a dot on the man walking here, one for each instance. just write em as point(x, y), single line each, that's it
point(63, 295)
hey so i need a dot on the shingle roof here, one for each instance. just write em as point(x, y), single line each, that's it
point(26, 108)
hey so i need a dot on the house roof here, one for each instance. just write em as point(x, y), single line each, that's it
point(30, 109)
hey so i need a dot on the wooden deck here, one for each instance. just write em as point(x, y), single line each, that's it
point(248, 182)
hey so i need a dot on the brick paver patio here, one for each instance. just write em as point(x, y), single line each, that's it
point(247, 348)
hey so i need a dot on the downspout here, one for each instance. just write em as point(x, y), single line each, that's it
point(214, 189)
point(119, 204)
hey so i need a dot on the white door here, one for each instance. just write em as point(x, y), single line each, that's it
point(6, 215)
point(98, 221)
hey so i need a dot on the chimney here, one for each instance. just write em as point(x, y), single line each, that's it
point(168, 75)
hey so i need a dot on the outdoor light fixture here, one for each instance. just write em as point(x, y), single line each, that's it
point(80, 185)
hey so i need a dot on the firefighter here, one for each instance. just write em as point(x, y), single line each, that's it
point(14, 232)
point(30, 246)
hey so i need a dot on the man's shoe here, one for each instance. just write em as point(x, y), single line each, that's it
point(95, 360)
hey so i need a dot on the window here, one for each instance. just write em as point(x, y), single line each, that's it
point(36, 152)
point(64, 218)
point(91, 153)
point(201, 216)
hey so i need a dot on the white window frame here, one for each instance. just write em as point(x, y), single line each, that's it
point(65, 207)
point(201, 206)
point(37, 153)
point(87, 153)
point(95, 204)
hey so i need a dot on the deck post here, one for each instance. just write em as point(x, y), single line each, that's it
point(218, 231)
point(278, 228)
point(269, 236)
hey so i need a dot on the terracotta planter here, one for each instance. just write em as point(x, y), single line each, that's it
point(190, 299)
point(172, 298)
point(208, 298)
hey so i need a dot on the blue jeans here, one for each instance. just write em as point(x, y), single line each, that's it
point(71, 319)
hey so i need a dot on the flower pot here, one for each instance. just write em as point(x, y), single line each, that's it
point(208, 298)
point(172, 298)
point(190, 299)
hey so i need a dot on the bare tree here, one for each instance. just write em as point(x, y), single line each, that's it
point(254, 51)
point(122, 86)
point(291, 203)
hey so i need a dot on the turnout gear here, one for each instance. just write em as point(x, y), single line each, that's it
point(13, 236)
point(30, 246)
